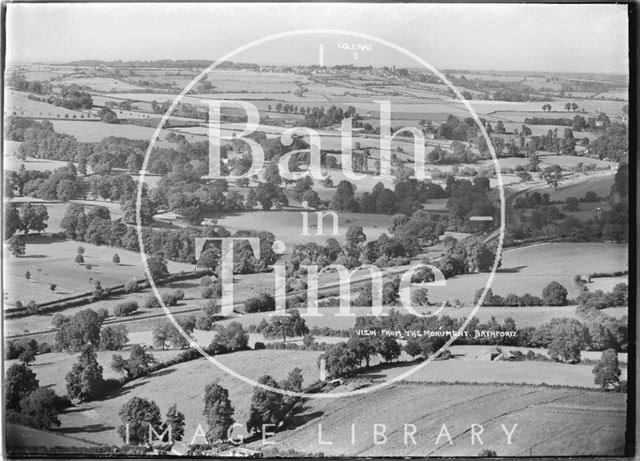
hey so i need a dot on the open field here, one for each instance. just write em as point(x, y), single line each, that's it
point(184, 384)
point(600, 183)
point(17, 103)
point(287, 225)
point(553, 422)
point(530, 269)
point(50, 261)
point(465, 367)
point(18, 436)
point(606, 283)
point(51, 369)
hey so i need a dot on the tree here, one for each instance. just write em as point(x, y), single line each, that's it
point(41, 406)
point(552, 175)
point(174, 421)
point(291, 325)
point(85, 378)
point(137, 415)
point(20, 381)
point(389, 349)
point(218, 412)
point(27, 275)
point(554, 294)
point(209, 258)
point(209, 314)
point(413, 347)
point(362, 347)
point(12, 221)
point(113, 338)
point(33, 217)
point(568, 337)
point(294, 381)
point(267, 407)
point(344, 200)
point(340, 360)
point(79, 259)
point(607, 370)
point(272, 174)
point(138, 364)
point(81, 329)
point(157, 267)
point(17, 246)
point(116, 258)
point(355, 236)
point(230, 338)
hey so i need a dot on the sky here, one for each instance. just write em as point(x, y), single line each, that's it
point(519, 37)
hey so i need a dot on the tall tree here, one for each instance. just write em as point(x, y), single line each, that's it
point(218, 411)
point(85, 378)
point(607, 370)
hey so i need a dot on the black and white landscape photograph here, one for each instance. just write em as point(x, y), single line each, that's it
point(297, 230)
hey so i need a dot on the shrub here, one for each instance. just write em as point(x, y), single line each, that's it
point(554, 294)
point(261, 303)
point(116, 258)
point(590, 196)
point(125, 309)
point(259, 345)
point(151, 302)
point(79, 259)
point(206, 281)
point(131, 286)
point(208, 316)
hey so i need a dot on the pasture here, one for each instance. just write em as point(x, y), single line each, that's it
point(552, 422)
point(184, 385)
point(465, 367)
point(287, 225)
point(17, 103)
point(530, 269)
point(599, 182)
point(51, 261)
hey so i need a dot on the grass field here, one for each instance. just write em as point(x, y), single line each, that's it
point(184, 384)
point(553, 422)
point(600, 183)
point(287, 225)
point(531, 268)
point(17, 103)
point(465, 367)
point(51, 261)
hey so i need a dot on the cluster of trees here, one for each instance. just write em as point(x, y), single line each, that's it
point(549, 121)
point(28, 218)
point(613, 144)
point(554, 294)
point(407, 196)
point(599, 299)
point(465, 257)
point(85, 328)
point(71, 97)
point(141, 417)
point(28, 403)
point(139, 363)
point(317, 117)
point(60, 184)
point(174, 244)
point(551, 142)
point(459, 130)
point(19, 82)
point(460, 154)
point(165, 334)
point(468, 198)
